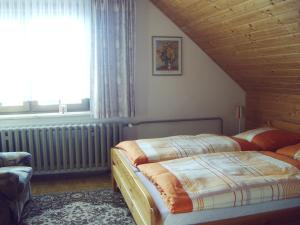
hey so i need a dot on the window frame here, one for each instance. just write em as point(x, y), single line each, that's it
point(32, 108)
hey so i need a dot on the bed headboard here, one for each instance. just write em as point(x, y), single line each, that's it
point(285, 125)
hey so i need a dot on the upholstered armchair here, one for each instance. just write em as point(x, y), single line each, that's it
point(15, 191)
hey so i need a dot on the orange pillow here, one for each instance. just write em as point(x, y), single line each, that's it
point(292, 151)
point(269, 138)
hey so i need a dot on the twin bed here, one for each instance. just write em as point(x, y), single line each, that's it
point(162, 183)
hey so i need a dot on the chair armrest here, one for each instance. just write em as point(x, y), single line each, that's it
point(15, 159)
point(9, 185)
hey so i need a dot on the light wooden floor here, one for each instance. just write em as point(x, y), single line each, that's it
point(67, 183)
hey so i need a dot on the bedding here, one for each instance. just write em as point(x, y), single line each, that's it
point(269, 138)
point(205, 216)
point(159, 149)
point(226, 179)
point(292, 151)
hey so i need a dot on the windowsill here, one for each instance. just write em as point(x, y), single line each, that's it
point(43, 115)
point(49, 119)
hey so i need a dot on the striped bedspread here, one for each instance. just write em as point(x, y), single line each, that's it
point(227, 179)
point(160, 149)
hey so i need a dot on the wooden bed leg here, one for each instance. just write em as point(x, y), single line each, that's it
point(114, 185)
point(113, 180)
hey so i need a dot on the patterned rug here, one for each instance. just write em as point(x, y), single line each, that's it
point(77, 208)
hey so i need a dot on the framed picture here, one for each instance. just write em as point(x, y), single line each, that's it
point(166, 56)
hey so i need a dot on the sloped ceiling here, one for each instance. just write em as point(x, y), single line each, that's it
point(257, 42)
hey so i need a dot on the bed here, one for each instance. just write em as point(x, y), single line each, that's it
point(146, 208)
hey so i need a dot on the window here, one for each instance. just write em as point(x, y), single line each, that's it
point(45, 56)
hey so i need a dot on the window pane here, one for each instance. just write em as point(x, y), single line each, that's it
point(63, 72)
point(44, 59)
point(14, 83)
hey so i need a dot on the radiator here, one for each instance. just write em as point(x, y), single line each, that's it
point(63, 149)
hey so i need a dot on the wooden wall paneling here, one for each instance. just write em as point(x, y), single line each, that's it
point(279, 49)
point(272, 42)
point(259, 60)
point(226, 30)
point(281, 16)
point(233, 13)
point(271, 66)
point(192, 9)
point(249, 37)
point(253, 74)
point(262, 106)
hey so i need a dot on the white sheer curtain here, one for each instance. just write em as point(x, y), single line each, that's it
point(44, 51)
point(112, 58)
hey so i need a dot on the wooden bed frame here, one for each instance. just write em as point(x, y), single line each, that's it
point(145, 212)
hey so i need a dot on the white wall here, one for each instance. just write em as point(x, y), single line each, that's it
point(204, 89)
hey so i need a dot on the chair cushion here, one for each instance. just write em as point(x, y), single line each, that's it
point(23, 172)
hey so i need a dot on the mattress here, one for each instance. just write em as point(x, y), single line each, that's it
point(213, 214)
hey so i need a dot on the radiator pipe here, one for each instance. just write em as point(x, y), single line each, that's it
point(131, 124)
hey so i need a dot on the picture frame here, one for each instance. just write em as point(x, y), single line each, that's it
point(166, 56)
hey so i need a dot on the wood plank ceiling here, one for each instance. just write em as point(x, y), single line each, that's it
point(257, 42)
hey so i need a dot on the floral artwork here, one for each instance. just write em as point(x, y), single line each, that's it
point(167, 55)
